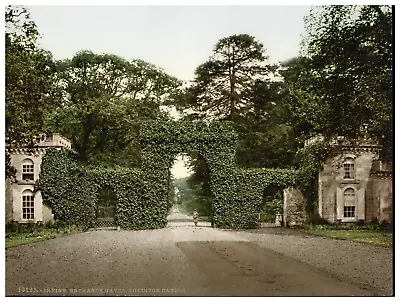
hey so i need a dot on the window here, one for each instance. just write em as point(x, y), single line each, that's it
point(349, 211)
point(28, 209)
point(349, 203)
point(27, 169)
point(349, 168)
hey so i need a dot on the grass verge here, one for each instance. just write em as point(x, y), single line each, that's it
point(19, 238)
point(374, 237)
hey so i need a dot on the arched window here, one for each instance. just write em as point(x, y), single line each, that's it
point(349, 168)
point(28, 205)
point(27, 169)
point(349, 199)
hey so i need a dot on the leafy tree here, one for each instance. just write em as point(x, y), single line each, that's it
point(105, 98)
point(89, 82)
point(266, 136)
point(182, 190)
point(221, 85)
point(199, 183)
point(293, 71)
point(29, 91)
point(234, 84)
point(343, 83)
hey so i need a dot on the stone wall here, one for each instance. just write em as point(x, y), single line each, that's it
point(47, 213)
point(379, 198)
point(294, 207)
point(372, 204)
point(327, 185)
point(9, 201)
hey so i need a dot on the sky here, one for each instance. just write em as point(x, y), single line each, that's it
point(179, 169)
point(175, 38)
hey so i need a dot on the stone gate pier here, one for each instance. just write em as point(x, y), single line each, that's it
point(294, 208)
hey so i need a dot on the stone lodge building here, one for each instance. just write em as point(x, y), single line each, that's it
point(355, 185)
point(23, 204)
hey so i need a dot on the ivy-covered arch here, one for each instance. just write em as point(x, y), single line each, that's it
point(142, 194)
point(236, 192)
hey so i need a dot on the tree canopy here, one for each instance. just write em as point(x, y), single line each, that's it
point(342, 84)
point(29, 78)
point(104, 99)
point(29, 90)
point(221, 86)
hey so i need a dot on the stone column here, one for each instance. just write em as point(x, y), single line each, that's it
point(339, 205)
point(9, 201)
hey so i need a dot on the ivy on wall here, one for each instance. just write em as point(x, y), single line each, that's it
point(142, 194)
point(66, 188)
point(72, 191)
point(309, 162)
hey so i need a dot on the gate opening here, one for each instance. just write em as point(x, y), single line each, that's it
point(106, 208)
point(272, 206)
point(190, 189)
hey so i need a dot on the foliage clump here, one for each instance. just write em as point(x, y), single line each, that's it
point(309, 162)
point(67, 188)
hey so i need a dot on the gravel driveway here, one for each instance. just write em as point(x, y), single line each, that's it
point(196, 261)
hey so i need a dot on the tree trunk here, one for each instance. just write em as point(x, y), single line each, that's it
point(88, 128)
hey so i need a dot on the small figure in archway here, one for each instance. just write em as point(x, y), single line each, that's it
point(195, 216)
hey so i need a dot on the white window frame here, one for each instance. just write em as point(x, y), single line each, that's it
point(349, 170)
point(28, 168)
point(354, 201)
point(28, 204)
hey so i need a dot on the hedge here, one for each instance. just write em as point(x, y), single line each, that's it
point(142, 194)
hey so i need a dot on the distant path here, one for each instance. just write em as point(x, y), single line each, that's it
point(179, 219)
point(198, 261)
point(176, 215)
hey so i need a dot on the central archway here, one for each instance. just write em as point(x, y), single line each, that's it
point(162, 142)
point(236, 192)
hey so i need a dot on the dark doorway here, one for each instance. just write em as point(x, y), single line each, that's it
point(106, 206)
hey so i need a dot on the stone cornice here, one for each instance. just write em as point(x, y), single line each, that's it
point(357, 148)
point(382, 174)
point(31, 151)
